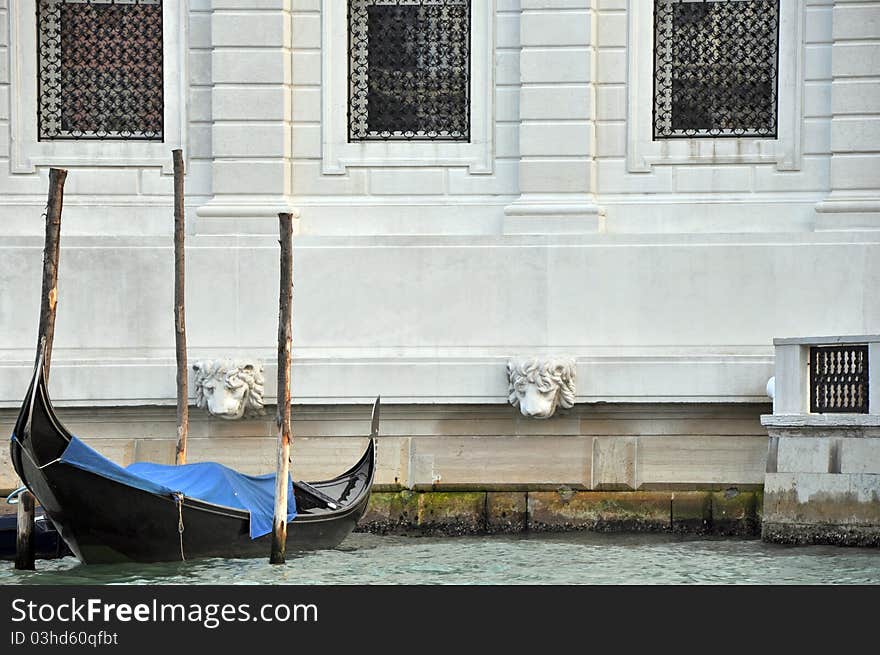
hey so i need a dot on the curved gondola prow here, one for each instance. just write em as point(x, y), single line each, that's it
point(22, 428)
point(368, 458)
point(366, 461)
point(353, 488)
point(37, 417)
point(370, 452)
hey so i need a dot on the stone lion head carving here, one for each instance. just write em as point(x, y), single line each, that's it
point(229, 388)
point(539, 386)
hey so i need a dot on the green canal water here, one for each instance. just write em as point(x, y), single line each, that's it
point(579, 558)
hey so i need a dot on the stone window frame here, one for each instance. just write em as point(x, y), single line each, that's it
point(666, 68)
point(338, 154)
point(406, 89)
point(27, 152)
point(50, 80)
point(643, 152)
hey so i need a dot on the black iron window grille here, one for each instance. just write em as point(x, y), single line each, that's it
point(839, 379)
point(100, 69)
point(716, 68)
point(409, 70)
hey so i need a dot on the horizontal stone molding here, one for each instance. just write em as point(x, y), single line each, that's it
point(821, 420)
point(553, 215)
point(244, 209)
point(829, 340)
point(404, 380)
point(849, 205)
point(822, 425)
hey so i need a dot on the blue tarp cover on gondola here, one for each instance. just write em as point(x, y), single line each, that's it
point(207, 481)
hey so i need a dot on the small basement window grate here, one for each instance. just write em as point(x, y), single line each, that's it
point(716, 68)
point(839, 379)
point(100, 69)
point(409, 70)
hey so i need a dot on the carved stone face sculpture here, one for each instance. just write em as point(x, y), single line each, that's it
point(229, 388)
point(539, 386)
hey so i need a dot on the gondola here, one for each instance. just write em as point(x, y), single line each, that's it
point(106, 513)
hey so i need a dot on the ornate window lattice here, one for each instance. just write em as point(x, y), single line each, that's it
point(409, 70)
point(100, 69)
point(839, 379)
point(715, 68)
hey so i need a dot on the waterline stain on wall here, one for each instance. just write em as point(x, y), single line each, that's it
point(730, 513)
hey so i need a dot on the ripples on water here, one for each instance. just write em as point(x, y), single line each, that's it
point(581, 558)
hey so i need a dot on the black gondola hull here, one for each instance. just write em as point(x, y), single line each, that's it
point(103, 520)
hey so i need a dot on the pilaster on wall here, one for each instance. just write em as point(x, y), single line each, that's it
point(557, 110)
point(251, 114)
point(854, 201)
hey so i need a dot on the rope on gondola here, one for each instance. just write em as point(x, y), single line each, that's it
point(32, 460)
point(179, 497)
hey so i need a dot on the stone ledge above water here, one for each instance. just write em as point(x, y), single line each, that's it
point(804, 534)
point(731, 512)
point(867, 425)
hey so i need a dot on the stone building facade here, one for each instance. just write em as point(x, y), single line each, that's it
point(567, 219)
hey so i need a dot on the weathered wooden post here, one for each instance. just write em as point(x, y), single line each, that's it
point(51, 250)
point(24, 542)
point(282, 419)
point(179, 309)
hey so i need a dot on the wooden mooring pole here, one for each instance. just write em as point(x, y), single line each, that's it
point(51, 251)
point(282, 419)
point(25, 547)
point(180, 309)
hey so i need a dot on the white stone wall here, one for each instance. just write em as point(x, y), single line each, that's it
point(4, 79)
point(434, 319)
point(744, 195)
point(665, 273)
point(563, 81)
point(855, 125)
point(666, 284)
point(251, 132)
point(380, 199)
point(117, 197)
point(563, 86)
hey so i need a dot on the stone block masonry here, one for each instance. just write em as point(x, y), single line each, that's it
point(485, 470)
point(731, 512)
point(457, 449)
point(822, 484)
point(855, 137)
